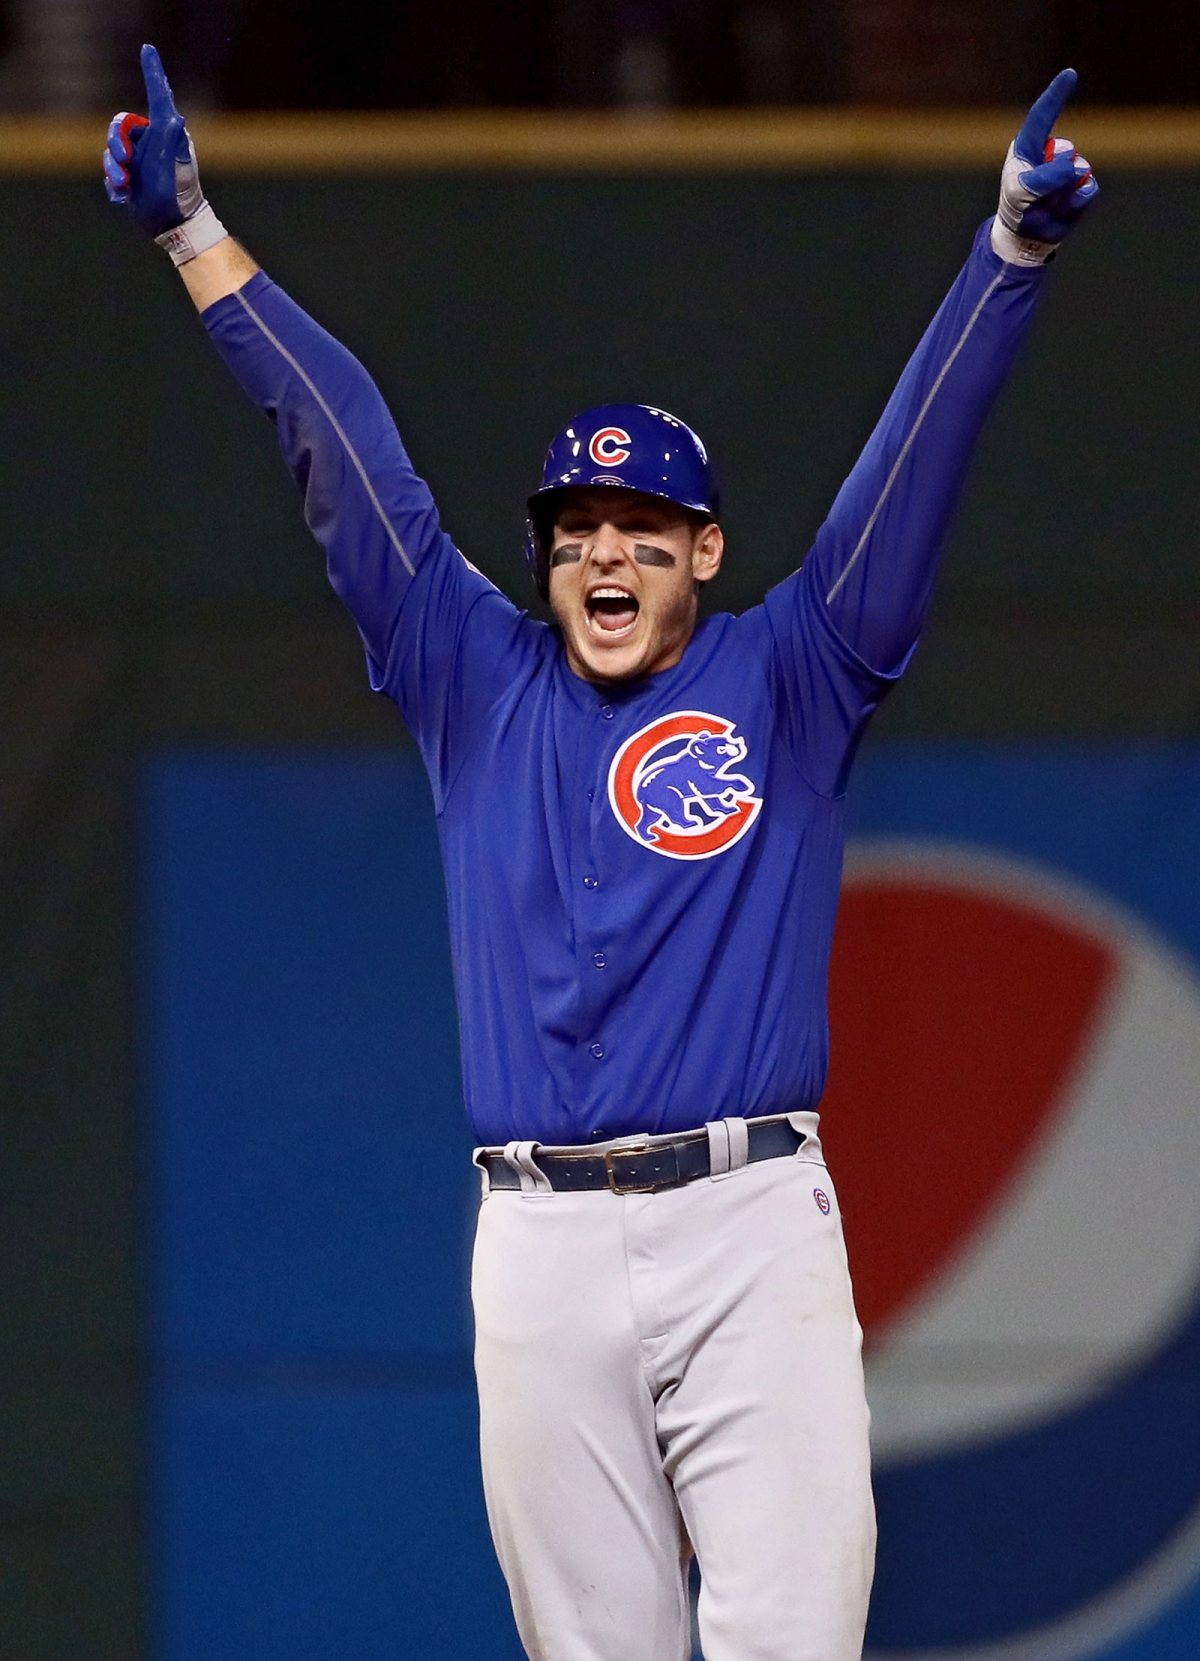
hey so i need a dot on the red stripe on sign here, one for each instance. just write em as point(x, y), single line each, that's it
point(957, 1021)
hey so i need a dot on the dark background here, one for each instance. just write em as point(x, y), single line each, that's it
point(77, 55)
point(596, 53)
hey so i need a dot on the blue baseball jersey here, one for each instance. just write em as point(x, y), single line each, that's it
point(642, 877)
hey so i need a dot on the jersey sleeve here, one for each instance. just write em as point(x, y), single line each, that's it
point(843, 627)
point(441, 640)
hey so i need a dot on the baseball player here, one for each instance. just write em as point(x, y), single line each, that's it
point(641, 822)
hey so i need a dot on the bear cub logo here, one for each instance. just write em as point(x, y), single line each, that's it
point(676, 786)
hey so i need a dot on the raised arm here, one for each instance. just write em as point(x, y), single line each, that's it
point(875, 557)
point(441, 640)
point(844, 625)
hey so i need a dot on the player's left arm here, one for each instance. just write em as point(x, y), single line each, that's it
point(874, 560)
point(843, 627)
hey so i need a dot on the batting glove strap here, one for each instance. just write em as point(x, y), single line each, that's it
point(200, 231)
point(1020, 250)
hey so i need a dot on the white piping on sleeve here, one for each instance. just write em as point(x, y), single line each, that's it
point(913, 431)
point(339, 430)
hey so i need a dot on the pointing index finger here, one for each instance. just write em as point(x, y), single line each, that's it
point(158, 89)
point(1038, 125)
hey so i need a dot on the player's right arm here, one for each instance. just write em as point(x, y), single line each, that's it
point(440, 639)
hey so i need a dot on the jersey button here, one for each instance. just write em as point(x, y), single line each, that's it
point(596, 1050)
point(590, 881)
point(591, 795)
point(599, 959)
point(607, 711)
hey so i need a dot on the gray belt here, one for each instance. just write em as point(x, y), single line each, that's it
point(638, 1167)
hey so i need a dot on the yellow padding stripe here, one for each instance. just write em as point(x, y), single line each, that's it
point(703, 142)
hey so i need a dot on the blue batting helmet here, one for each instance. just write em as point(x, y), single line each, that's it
point(634, 446)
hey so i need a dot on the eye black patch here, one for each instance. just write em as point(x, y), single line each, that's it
point(567, 553)
point(645, 554)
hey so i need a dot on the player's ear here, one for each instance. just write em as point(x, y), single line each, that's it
point(707, 552)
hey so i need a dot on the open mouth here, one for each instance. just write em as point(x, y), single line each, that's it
point(611, 612)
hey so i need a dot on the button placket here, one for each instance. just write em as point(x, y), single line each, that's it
point(591, 957)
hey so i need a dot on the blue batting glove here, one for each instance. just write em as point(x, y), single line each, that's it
point(150, 168)
point(1045, 185)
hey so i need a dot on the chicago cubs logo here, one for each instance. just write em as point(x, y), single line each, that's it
point(673, 790)
point(822, 1199)
point(610, 447)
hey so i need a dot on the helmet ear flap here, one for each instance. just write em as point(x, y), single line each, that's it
point(537, 556)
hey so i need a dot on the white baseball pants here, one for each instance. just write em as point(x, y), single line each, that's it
point(676, 1371)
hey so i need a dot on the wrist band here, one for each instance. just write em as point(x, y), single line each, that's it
point(1019, 250)
point(203, 230)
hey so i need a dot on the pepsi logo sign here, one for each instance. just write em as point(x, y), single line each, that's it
point(610, 447)
point(676, 786)
point(1024, 1055)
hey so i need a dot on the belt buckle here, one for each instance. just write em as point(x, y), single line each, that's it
point(614, 1182)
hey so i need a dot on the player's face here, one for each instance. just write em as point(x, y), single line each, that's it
point(623, 574)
